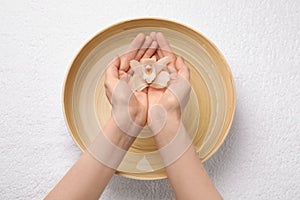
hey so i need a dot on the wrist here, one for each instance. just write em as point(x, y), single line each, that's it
point(111, 144)
point(117, 136)
point(172, 109)
point(169, 130)
point(138, 116)
point(128, 122)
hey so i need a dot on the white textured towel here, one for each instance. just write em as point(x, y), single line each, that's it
point(260, 39)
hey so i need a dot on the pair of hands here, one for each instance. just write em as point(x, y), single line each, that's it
point(88, 178)
point(140, 103)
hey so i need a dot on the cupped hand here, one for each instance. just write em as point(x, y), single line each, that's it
point(175, 97)
point(118, 71)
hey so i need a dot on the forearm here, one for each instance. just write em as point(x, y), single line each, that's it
point(88, 177)
point(187, 174)
point(189, 178)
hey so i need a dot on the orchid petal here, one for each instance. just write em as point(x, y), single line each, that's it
point(161, 80)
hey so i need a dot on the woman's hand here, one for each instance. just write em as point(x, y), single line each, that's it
point(174, 98)
point(124, 101)
point(179, 75)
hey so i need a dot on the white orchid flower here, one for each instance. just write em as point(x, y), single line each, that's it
point(150, 73)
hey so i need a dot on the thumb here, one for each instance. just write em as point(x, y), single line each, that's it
point(111, 76)
point(112, 71)
point(182, 69)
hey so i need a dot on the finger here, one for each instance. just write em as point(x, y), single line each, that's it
point(131, 51)
point(112, 71)
point(159, 51)
point(153, 35)
point(151, 50)
point(111, 76)
point(155, 56)
point(182, 69)
point(165, 48)
point(144, 47)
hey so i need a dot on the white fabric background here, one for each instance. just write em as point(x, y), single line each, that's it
point(260, 40)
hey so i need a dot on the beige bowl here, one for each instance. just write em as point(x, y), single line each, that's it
point(207, 117)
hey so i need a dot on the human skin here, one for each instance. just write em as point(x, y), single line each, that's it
point(88, 177)
point(187, 175)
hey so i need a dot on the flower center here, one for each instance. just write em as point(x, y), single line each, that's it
point(148, 69)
